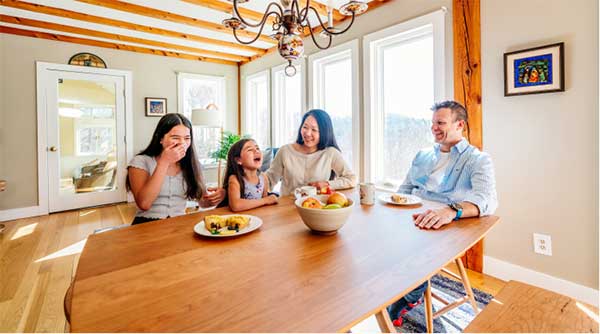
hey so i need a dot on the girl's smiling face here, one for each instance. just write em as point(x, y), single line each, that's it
point(179, 134)
point(251, 156)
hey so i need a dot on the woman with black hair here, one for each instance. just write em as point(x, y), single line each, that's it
point(314, 159)
point(167, 173)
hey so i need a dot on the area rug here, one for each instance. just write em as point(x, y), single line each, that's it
point(453, 321)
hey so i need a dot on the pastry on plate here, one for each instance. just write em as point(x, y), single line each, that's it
point(214, 222)
point(238, 222)
point(397, 198)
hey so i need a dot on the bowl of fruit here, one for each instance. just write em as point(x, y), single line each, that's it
point(324, 214)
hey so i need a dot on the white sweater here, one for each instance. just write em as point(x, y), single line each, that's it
point(298, 169)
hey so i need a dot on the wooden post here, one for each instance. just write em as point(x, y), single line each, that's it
point(466, 24)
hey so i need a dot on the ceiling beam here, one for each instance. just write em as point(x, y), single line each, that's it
point(109, 45)
point(372, 5)
point(322, 9)
point(172, 17)
point(123, 38)
point(226, 7)
point(125, 25)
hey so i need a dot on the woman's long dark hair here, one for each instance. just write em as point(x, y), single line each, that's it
point(190, 167)
point(326, 135)
point(233, 168)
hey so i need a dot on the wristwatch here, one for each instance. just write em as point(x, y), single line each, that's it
point(458, 208)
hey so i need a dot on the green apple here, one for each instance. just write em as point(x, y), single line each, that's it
point(332, 206)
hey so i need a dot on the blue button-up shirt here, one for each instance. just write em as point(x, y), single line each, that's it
point(469, 177)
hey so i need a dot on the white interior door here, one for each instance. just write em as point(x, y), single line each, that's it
point(86, 150)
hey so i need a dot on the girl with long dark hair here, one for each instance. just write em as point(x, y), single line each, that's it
point(167, 173)
point(314, 159)
point(245, 187)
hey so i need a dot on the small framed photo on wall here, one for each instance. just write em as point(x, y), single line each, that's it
point(536, 70)
point(156, 106)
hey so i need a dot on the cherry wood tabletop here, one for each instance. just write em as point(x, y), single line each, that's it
point(163, 277)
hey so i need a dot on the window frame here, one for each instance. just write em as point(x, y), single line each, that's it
point(373, 115)
point(244, 114)
point(301, 66)
point(332, 55)
point(80, 124)
point(220, 102)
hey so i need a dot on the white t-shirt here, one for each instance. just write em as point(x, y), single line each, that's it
point(438, 172)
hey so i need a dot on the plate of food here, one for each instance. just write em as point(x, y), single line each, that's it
point(220, 226)
point(400, 199)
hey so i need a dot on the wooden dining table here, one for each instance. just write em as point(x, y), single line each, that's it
point(163, 277)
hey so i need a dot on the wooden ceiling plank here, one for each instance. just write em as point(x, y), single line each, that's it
point(88, 32)
point(228, 8)
point(125, 25)
point(172, 17)
point(109, 45)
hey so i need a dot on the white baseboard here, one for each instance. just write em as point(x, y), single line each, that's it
point(19, 213)
point(508, 271)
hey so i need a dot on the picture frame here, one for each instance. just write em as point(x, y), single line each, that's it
point(156, 106)
point(534, 71)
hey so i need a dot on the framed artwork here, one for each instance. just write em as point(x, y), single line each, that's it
point(536, 70)
point(87, 59)
point(156, 106)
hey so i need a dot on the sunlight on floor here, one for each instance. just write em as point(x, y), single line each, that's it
point(75, 248)
point(82, 214)
point(587, 311)
point(497, 301)
point(23, 231)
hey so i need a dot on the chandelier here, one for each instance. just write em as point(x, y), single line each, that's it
point(289, 24)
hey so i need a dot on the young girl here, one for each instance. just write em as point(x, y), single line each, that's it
point(246, 188)
point(167, 173)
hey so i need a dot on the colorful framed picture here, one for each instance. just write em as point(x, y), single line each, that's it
point(536, 70)
point(156, 106)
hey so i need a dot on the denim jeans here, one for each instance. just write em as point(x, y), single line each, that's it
point(402, 303)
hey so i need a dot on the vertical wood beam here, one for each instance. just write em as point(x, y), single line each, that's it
point(466, 24)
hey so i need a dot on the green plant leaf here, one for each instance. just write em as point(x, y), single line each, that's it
point(225, 143)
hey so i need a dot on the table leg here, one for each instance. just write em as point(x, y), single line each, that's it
point(428, 308)
point(467, 284)
point(384, 321)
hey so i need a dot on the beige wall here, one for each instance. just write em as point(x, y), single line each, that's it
point(544, 146)
point(153, 76)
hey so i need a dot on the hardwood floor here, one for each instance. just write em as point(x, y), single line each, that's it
point(39, 256)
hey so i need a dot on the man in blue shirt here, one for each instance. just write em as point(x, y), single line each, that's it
point(453, 172)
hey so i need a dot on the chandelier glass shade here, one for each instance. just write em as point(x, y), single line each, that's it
point(289, 24)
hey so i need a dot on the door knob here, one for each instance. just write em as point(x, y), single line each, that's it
point(52, 149)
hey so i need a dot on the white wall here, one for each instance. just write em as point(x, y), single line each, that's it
point(544, 146)
point(153, 76)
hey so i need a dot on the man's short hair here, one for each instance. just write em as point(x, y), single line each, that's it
point(458, 111)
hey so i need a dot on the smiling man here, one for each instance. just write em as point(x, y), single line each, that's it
point(453, 172)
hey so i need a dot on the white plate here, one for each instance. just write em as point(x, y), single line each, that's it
point(255, 223)
point(411, 199)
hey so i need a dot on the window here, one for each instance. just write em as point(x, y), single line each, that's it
point(288, 104)
point(405, 68)
point(334, 79)
point(199, 91)
point(257, 116)
point(94, 130)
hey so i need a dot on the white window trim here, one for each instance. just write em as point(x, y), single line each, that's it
point(220, 100)
point(300, 64)
point(245, 97)
point(91, 123)
point(372, 124)
point(352, 46)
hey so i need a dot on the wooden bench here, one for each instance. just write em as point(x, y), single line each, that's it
point(523, 308)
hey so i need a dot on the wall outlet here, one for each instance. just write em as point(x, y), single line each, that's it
point(542, 244)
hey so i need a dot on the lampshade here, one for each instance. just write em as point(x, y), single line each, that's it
point(206, 117)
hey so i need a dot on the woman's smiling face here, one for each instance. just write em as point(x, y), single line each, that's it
point(310, 132)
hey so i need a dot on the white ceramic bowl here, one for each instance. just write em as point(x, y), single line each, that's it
point(323, 221)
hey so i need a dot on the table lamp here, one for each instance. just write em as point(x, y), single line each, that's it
point(209, 117)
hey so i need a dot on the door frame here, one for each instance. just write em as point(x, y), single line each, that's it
point(42, 69)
